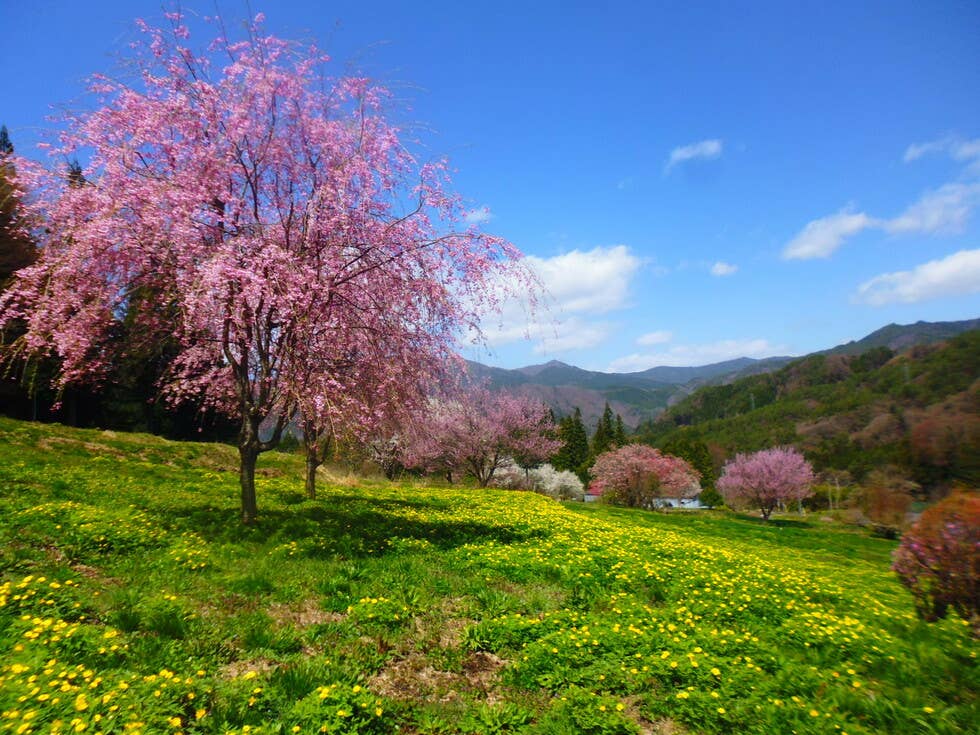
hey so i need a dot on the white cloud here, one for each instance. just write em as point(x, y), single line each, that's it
point(721, 268)
point(821, 237)
point(955, 147)
point(654, 338)
point(577, 285)
point(705, 149)
point(478, 216)
point(954, 275)
point(592, 281)
point(572, 334)
point(943, 210)
point(697, 354)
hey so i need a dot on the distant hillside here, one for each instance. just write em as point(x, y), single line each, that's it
point(715, 371)
point(641, 396)
point(918, 409)
point(902, 336)
point(635, 396)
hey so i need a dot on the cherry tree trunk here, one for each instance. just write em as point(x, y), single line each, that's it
point(312, 463)
point(248, 454)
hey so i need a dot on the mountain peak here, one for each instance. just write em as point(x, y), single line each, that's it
point(532, 370)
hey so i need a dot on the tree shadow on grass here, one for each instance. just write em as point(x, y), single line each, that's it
point(772, 522)
point(349, 526)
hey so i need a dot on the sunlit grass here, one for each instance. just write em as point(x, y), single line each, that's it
point(133, 601)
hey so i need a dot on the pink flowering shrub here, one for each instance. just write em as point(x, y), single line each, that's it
point(637, 476)
point(766, 479)
point(480, 431)
point(939, 559)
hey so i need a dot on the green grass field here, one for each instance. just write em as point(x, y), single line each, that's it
point(132, 601)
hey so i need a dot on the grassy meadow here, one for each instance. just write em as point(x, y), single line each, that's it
point(133, 601)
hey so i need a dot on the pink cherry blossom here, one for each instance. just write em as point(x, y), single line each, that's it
point(275, 227)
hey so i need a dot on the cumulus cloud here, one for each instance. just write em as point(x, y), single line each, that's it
point(696, 354)
point(654, 338)
point(953, 146)
point(954, 275)
point(944, 210)
point(577, 284)
point(572, 334)
point(594, 281)
point(721, 268)
point(705, 150)
point(558, 335)
point(937, 212)
point(941, 211)
point(821, 237)
point(478, 216)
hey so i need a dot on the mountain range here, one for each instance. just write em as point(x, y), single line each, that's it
point(643, 395)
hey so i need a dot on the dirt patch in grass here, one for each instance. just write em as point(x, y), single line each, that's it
point(451, 632)
point(661, 727)
point(412, 678)
point(300, 616)
point(481, 669)
point(440, 626)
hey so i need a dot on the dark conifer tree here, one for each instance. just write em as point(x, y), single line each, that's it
point(605, 431)
point(574, 450)
point(619, 433)
point(16, 250)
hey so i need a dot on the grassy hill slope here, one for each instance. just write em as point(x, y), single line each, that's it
point(131, 600)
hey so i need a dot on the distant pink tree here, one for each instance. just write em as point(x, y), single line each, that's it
point(265, 218)
point(638, 475)
point(767, 478)
point(364, 387)
point(479, 431)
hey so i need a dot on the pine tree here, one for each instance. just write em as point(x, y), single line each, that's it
point(605, 433)
point(697, 455)
point(16, 251)
point(574, 450)
point(619, 433)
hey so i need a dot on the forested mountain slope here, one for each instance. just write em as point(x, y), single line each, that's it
point(918, 409)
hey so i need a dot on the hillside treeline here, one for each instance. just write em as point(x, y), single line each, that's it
point(917, 410)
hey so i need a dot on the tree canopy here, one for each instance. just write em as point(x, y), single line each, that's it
point(766, 479)
point(282, 227)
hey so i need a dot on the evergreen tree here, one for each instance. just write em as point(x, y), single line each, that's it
point(605, 433)
point(697, 455)
point(574, 451)
point(16, 251)
point(619, 433)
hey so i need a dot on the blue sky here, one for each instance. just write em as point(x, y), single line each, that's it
point(693, 182)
